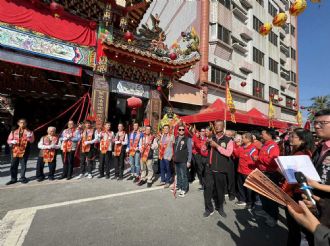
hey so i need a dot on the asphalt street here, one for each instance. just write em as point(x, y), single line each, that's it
point(110, 212)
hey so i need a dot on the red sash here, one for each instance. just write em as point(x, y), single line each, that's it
point(118, 147)
point(19, 148)
point(67, 144)
point(87, 136)
point(162, 147)
point(133, 144)
point(105, 141)
point(146, 145)
point(49, 154)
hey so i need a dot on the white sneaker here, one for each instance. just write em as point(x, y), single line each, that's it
point(271, 222)
point(80, 176)
point(89, 176)
point(261, 213)
point(86, 174)
point(182, 193)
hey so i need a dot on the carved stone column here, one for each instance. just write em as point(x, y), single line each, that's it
point(154, 109)
point(100, 98)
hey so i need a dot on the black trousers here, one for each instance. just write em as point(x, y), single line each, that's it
point(199, 164)
point(119, 163)
point(230, 180)
point(104, 165)
point(244, 194)
point(87, 161)
point(15, 161)
point(268, 205)
point(214, 188)
point(68, 163)
point(40, 168)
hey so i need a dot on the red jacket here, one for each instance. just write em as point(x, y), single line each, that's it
point(203, 147)
point(246, 164)
point(236, 151)
point(258, 144)
point(195, 145)
point(267, 155)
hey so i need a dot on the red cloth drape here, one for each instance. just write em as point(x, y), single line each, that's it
point(39, 18)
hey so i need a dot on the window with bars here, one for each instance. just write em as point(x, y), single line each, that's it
point(256, 23)
point(289, 101)
point(261, 2)
point(272, 10)
point(293, 77)
point(258, 89)
point(225, 3)
point(223, 34)
point(272, 37)
point(293, 30)
point(218, 75)
point(273, 65)
point(258, 56)
point(273, 94)
point(293, 53)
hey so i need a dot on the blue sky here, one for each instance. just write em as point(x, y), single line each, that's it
point(314, 51)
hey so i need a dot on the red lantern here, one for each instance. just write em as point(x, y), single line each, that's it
point(228, 77)
point(173, 56)
point(205, 68)
point(159, 88)
point(92, 25)
point(134, 102)
point(243, 84)
point(146, 122)
point(257, 89)
point(302, 107)
point(280, 99)
point(56, 8)
point(129, 37)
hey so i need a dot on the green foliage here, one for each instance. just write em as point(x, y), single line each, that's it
point(319, 103)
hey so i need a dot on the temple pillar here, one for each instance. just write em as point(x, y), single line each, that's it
point(154, 109)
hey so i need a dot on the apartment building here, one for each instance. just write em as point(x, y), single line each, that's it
point(268, 64)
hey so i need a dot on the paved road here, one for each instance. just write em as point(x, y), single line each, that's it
point(109, 212)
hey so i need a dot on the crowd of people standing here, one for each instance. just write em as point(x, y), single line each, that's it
point(221, 159)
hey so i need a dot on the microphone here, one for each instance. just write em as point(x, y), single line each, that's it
point(302, 180)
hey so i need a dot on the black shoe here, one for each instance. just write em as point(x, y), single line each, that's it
point(51, 178)
point(100, 176)
point(119, 179)
point(222, 213)
point(130, 177)
point(142, 182)
point(114, 177)
point(68, 178)
point(149, 185)
point(40, 179)
point(231, 198)
point(62, 177)
point(24, 180)
point(107, 176)
point(11, 182)
point(136, 179)
point(207, 213)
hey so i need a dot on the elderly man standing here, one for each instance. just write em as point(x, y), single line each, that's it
point(48, 146)
point(19, 140)
point(220, 150)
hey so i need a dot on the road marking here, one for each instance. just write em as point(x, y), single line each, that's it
point(16, 223)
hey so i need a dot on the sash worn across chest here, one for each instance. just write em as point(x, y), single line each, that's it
point(22, 141)
point(67, 144)
point(105, 141)
point(146, 146)
point(163, 145)
point(118, 147)
point(87, 136)
point(49, 154)
point(133, 143)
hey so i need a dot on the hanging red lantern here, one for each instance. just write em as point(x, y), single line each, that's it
point(302, 107)
point(173, 56)
point(146, 122)
point(280, 99)
point(134, 102)
point(93, 25)
point(243, 84)
point(228, 77)
point(129, 37)
point(56, 8)
point(205, 68)
point(159, 88)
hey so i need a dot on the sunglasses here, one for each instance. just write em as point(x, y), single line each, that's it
point(181, 130)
